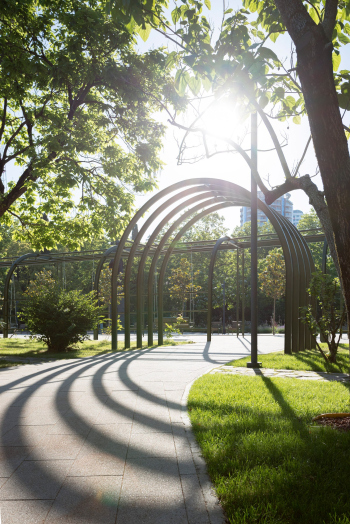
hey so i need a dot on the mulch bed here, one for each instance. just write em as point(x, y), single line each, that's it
point(342, 424)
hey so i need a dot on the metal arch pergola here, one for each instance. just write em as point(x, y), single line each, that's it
point(205, 195)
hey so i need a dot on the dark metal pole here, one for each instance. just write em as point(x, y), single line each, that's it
point(223, 309)
point(237, 295)
point(243, 293)
point(254, 245)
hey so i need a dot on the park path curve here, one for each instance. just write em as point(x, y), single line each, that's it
point(106, 439)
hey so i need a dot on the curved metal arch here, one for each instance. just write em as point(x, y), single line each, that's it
point(244, 201)
point(210, 282)
point(6, 288)
point(124, 238)
point(285, 241)
point(166, 260)
point(276, 221)
point(295, 251)
point(102, 260)
point(308, 341)
point(157, 254)
point(140, 280)
point(183, 194)
point(298, 277)
point(204, 194)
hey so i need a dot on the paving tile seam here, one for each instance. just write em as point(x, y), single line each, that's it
point(124, 468)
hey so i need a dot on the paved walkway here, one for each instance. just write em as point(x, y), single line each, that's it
point(106, 439)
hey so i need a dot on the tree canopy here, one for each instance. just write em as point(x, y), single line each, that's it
point(241, 64)
point(76, 128)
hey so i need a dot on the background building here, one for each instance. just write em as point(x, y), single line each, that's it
point(297, 214)
point(283, 205)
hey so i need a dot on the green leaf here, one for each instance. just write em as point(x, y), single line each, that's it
point(190, 59)
point(343, 38)
point(181, 80)
point(144, 33)
point(336, 61)
point(265, 52)
point(176, 15)
point(274, 36)
point(279, 92)
point(207, 3)
point(344, 101)
point(171, 59)
point(297, 120)
point(194, 84)
point(263, 101)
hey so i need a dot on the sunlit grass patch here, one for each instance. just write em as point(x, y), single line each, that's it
point(19, 347)
point(308, 360)
point(267, 465)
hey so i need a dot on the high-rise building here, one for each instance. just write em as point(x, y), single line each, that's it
point(297, 214)
point(283, 205)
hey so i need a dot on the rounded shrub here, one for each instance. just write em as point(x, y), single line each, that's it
point(57, 317)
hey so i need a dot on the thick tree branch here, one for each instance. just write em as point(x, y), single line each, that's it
point(12, 137)
point(28, 123)
point(297, 20)
point(330, 17)
point(290, 184)
point(20, 188)
point(303, 156)
point(274, 138)
point(3, 118)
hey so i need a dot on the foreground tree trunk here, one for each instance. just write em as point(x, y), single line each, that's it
point(315, 69)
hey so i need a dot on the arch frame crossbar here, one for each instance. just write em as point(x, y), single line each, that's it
point(15, 264)
point(206, 195)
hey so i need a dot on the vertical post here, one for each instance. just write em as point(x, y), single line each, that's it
point(243, 293)
point(237, 295)
point(223, 309)
point(254, 245)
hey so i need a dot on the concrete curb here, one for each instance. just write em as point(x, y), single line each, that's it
point(215, 511)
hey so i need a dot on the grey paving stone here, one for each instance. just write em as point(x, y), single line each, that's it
point(54, 447)
point(23, 435)
point(36, 480)
point(86, 499)
point(24, 512)
point(149, 512)
point(10, 458)
point(70, 426)
point(153, 426)
point(151, 445)
point(94, 463)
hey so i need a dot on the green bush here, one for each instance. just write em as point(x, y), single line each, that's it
point(56, 317)
point(330, 322)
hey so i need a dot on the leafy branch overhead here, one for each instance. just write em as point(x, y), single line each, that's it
point(241, 56)
point(76, 126)
point(242, 66)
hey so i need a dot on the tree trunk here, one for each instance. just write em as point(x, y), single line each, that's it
point(315, 70)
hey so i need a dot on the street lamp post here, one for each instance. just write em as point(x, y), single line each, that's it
point(254, 245)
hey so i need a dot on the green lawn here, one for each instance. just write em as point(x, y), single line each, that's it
point(309, 360)
point(19, 347)
point(7, 363)
point(267, 465)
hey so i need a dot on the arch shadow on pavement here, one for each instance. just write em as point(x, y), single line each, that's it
point(103, 439)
